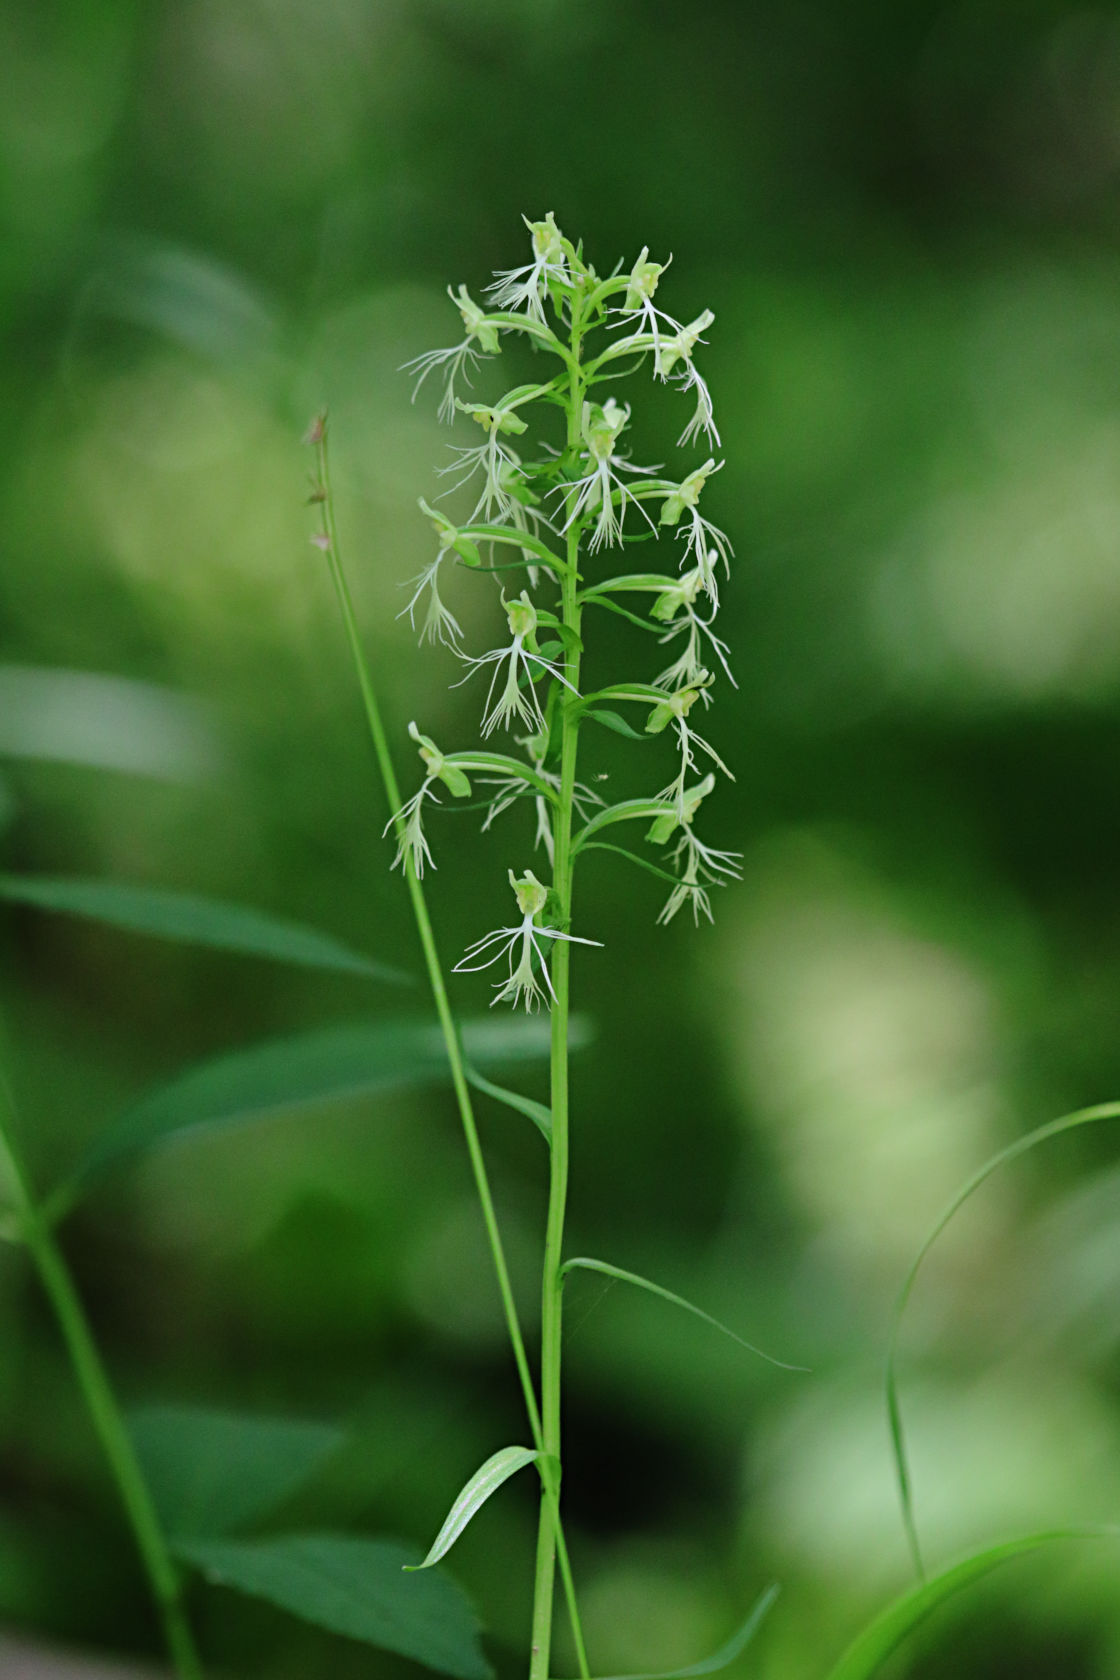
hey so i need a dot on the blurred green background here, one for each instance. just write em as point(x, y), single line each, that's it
point(219, 214)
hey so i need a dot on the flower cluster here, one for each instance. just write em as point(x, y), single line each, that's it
point(547, 512)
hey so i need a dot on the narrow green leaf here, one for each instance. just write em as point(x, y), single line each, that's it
point(487, 1479)
point(192, 920)
point(354, 1587)
point(725, 1656)
point(1053, 1128)
point(628, 810)
point(882, 1636)
point(622, 851)
point(639, 1282)
point(624, 612)
point(650, 583)
point(329, 1064)
point(616, 722)
point(535, 1111)
point(209, 1472)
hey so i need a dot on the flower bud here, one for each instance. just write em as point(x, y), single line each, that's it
point(530, 894)
point(643, 282)
point(522, 615)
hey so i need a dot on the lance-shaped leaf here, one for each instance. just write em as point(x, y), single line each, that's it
point(1053, 1128)
point(628, 810)
point(534, 1111)
point(354, 1587)
point(209, 1472)
point(330, 1064)
point(585, 1265)
point(192, 920)
point(725, 1656)
point(487, 1479)
point(871, 1648)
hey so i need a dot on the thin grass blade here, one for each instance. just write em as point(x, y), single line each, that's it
point(585, 1265)
point(882, 1636)
point(1053, 1128)
point(725, 1656)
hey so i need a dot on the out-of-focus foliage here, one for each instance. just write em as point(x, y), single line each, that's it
point(218, 215)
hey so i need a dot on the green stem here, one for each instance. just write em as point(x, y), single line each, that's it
point(552, 1278)
point(550, 1480)
point(89, 1370)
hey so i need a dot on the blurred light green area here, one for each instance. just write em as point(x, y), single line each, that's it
point(220, 214)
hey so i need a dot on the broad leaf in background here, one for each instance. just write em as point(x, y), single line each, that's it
point(487, 1479)
point(314, 1067)
point(105, 723)
point(209, 1472)
point(870, 1650)
point(355, 1587)
point(193, 921)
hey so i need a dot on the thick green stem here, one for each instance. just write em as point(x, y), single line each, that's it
point(552, 1280)
point(58, 1285)
point(550, 1479)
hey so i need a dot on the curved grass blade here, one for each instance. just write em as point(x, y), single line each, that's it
point(1053, 1128)
point(534, 1111)
point(327, 1065)
point(193, 920)
point(582, 1264)
point(725, 1656)
point(354, 1587)
point(882, 1636)
point(487, 1479)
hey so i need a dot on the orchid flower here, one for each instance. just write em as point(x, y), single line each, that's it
point(522, 985)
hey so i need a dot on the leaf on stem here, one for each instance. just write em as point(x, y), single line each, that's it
point(1053, 1128)
point(537, 1112)
point(582, 1264)
point(487, 1479)
point(209, 1472)
point(354, 1587)
point(193, 920)
point(614, 721)
point(726, 1655)
point(882, 1636)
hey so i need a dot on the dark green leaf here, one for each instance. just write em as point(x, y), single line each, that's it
point(192, 920)
point(355, 1587)
point(314, 1067)
point(209, 1472)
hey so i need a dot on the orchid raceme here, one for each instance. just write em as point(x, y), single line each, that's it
point(549, 513)
point(555, 492)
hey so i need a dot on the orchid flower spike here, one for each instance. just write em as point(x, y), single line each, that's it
point(522, 985)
